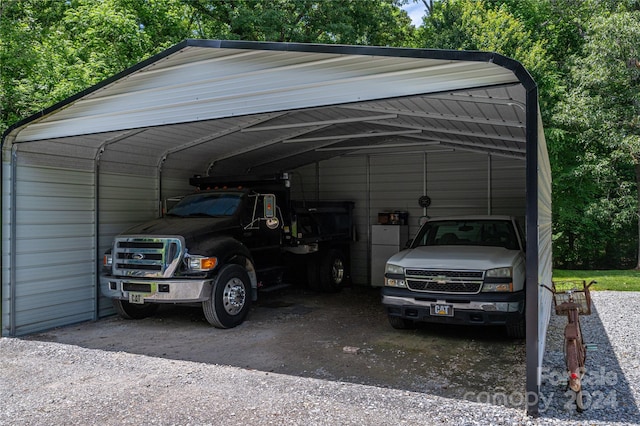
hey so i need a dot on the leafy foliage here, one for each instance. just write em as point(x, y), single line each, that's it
point(598, 172)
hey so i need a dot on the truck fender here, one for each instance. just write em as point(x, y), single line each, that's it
point(229, 250)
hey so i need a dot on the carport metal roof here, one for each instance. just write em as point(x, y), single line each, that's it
point(229, 107)
point(211, 106)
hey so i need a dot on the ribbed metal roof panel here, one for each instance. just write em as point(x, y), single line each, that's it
point(200, 83)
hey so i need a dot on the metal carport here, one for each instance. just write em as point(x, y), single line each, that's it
point(375, 125)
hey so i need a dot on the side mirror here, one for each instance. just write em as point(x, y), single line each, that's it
point(269, 206)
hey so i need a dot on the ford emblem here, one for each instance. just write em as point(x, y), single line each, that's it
point(137, 256)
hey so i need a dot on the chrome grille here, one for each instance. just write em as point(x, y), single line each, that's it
point(444, 281)
point(141, 256)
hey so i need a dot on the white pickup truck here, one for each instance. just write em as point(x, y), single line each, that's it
point(459, 270)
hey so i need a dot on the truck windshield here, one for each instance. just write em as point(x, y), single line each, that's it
point(214, 204)
point(497, 233)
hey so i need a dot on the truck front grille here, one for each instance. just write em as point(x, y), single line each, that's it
point(141, 256)
point(439, 281)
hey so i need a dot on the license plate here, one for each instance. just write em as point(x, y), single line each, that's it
point(137, 298)
point(439, 310)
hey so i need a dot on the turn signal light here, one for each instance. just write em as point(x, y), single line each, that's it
point(208, 263)
point(197, 263)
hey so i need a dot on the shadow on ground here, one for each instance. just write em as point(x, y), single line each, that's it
point(340, 337)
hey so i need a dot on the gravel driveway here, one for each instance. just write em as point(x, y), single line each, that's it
point(49, 382)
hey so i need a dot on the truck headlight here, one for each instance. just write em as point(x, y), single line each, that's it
point(499, 280)
point(107, 261)
point(201, 263)
point(394, 269)
point(499, 273)
point(398, 279)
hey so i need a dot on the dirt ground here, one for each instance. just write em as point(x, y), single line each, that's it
point(340, 337)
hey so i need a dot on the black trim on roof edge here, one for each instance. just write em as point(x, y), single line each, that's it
point(401, 52)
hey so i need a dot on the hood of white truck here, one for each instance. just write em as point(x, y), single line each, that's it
point(456, 257)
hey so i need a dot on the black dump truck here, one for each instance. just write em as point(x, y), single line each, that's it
point(220, 245)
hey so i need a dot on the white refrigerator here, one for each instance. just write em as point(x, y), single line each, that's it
point(386, 240)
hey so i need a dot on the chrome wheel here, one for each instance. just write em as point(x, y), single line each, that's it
point(234, 296)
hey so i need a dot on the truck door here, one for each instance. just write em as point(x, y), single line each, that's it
point(262, 233)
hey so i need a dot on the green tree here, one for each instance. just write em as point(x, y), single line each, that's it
point(370, 22)
point(600, 114)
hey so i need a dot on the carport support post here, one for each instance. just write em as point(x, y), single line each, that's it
point(531, 291)
point(13, 216)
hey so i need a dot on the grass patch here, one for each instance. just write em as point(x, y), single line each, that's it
point(628, 280)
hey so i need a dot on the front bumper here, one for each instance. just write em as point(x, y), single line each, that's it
point(156, 291)
point(469, 309)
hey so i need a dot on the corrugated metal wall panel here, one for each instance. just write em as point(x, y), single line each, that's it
point(124, 167)
point(508, 179)
point(32, 295)
point(175, 187)
point(124, 201)
point(55, 269)
point(457, 183)
point(46, 160)
point(545, 249)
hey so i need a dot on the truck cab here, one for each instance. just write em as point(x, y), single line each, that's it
point(459, 270)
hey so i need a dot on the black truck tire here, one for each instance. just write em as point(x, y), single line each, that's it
point(134, 311)
point(517, 329)
point(400, 323)
point(230, 299)
point(329, 271)
point(333, 271)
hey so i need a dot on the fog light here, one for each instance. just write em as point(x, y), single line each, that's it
point(502, 307)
